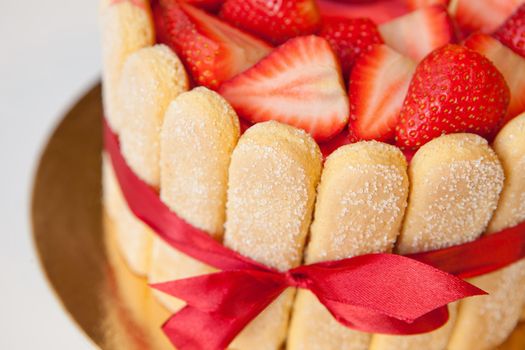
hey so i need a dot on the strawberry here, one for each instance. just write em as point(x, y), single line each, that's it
point(417, 4)
point(377, 88)
point(299, 84)
point(512, 32)
point(482, 15)
point(377, 11)
point(349, 37)
point(273, 20)
point(454, 89)
point(212, 50)
point(420, 32)
point(510, 64)
point(209, 5)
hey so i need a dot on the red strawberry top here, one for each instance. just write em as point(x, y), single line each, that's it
point(454, 89)
point(333, 69)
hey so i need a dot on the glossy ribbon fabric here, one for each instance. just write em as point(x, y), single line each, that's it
point(376, 293)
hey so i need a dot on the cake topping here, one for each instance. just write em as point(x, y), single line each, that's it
point(273, 20)
point(377, 11)
point(209, 5)
point(298, 84)
point(512, 32)
point(213, 50)
point(482, 15)
point(378, 85)
point(454, 89)
point(349, 37)
point(511, 66)
point(420, 32)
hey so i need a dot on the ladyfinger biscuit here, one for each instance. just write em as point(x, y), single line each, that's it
point(151, 78)
point(131, 234)
point(199, 134)
point(271, 192)
point(485, 322)
point(360, 206)
point(455, 182)
point(126, 26)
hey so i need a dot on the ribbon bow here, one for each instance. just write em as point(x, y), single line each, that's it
point(380, 293)
point(376, 293)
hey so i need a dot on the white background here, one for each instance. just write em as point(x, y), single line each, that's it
point(49, 55)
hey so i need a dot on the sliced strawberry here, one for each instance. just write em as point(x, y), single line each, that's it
point(417, 4)
point(298, 84)
point(512, 32)
point(213, 50)
point(273, 20)
point(420, 32)
point(482, 15)
point(349, 37)
point(511, 65)
point(377, 11)
point(209, 5)
point(378, 86)
point(454, 89)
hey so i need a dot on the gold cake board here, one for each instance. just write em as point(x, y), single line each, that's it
point(111, 305)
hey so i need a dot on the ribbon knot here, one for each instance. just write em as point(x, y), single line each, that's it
point(297, 279)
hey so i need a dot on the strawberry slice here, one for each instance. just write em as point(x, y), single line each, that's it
point(378, 86)
point(273, 20)
point(420, 32)
point(454, 89)
point(482, 15)
point(417, 4)
point(349, 37)
point(377, 11)
point(511, 65)
point(512, 32)
point(298, 84)
point(212, 50)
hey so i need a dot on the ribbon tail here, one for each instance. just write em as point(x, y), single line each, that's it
point(386, 293)
point(218, 306)
point(360, 319)
point(194, 329)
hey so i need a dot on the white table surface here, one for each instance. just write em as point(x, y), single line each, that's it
point(49, 55)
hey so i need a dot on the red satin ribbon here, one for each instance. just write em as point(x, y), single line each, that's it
point(376, 293)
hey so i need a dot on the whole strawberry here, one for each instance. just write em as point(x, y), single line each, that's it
point(454, 89)
point(512, 32)
point(349, 37)
point(273, 20)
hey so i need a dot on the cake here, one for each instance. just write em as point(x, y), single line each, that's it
point(297, 132)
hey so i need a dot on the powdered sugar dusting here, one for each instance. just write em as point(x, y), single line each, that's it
point(151, 79)
point(125, 28)
point(198, 137)
point(270, 197)
point(362, 217)
point(451, 204)
point(510, 147)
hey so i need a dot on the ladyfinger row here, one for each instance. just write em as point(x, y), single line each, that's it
point(256, 194)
